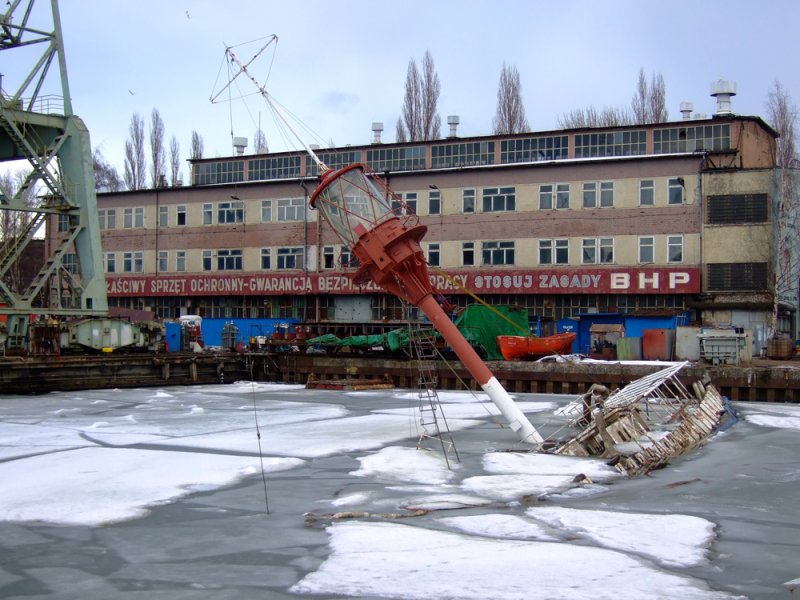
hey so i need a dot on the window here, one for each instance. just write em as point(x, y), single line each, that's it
point(497, 253)
point(617, 143)
point(163, 261)
point(69, 260)
point(229, 260)
point(691, 139)
point(207, 256)
point(647, 192)
point(562, 252)
point(676, 190)
point(433, 254)
point(499, 199)
point(180, 215)
point(646, 249)
point(133, 217)
point(63, 223)
point(545, 197)
point(589, 195)
point(462, 154)
point(266, 211)
point(606, 194)
point(328, 258)
point(597, 250)
point(468, 254)
point(675, 248)
point(107, 218)
point(434, 202)
point(266, 258)
point(163, 216)
point(347, 259)
point(738, 208)
point(208, 214)
point(230, 212)
point(180, 260)
point(589, 251)
point(396, 159)
point(410, 201)
point(291, 258)
point(281, 167)
point(291, 209)
point(468, 201)
point(534, 149)
point(562, 196)
point(606, 251)
point(554, 252)
point(110, 260)
point(133, 262)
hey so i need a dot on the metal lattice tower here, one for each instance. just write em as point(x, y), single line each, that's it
point(432, 421)
point(58, 195)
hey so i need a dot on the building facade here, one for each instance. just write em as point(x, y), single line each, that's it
point(674, 216)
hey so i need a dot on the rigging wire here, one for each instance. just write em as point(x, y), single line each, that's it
point(258, 436)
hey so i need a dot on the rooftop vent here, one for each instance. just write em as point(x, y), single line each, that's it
point(686, 110)
point(239, 144)
point(453, 121)
point(723, 90)
point(376, 132)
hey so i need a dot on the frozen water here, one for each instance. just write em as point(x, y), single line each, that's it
point(172, 493)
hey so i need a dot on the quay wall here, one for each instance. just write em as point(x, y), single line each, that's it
point(762, 381)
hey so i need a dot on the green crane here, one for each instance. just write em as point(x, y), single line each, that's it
point(58, 195)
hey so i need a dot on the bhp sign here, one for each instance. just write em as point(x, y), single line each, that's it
point(529, 281)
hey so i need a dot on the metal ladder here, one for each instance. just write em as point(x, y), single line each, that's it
point(432, 421)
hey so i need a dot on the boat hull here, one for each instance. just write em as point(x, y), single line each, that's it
point(515, 347)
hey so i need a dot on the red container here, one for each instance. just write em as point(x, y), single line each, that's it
point(658, 344)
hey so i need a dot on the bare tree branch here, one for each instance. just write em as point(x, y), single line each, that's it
point(174, 161)
point(510, 115)
point(135, 162)
point(157, 152)
point(197, 146)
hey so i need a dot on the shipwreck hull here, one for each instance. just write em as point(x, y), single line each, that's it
point(645, 430)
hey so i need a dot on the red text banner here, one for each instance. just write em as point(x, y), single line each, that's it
point(516, 281)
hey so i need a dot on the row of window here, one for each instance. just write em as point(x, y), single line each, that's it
point(221, 213)
point(456, 154)
point(594, 251)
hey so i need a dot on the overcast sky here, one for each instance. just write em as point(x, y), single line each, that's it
point(339, 66)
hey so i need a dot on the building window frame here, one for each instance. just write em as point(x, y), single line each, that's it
point(163, 261)
point(290, 258)
point(468, 198)
point(647, 192)
point(498, 253)
point(434, 254)
point(675, 191)
point(180, 215)
point(230, 212)
point(434, 202)
point(499, 199)
point(675, 249)
point(647, 249)
point(230, 259)
point(468, 254)
point(180, 261)
point(266, 259)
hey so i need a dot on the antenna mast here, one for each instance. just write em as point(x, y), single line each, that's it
point(261, 90)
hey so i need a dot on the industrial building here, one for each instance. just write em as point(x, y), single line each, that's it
point(676, 219)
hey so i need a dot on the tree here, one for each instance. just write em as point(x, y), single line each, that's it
point(420, 121)
point(591, 117)
point(106, 177)
point(157, 152)
point(649, 104)
point(174, 161)
point(196, 151)
point(510, 115)
point(135, 161)
point(260, 145)
point(782, 114)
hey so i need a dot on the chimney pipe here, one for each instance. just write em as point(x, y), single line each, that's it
point(453, 121)
point(686, 110)
point(377, 127)
point(723, 90)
